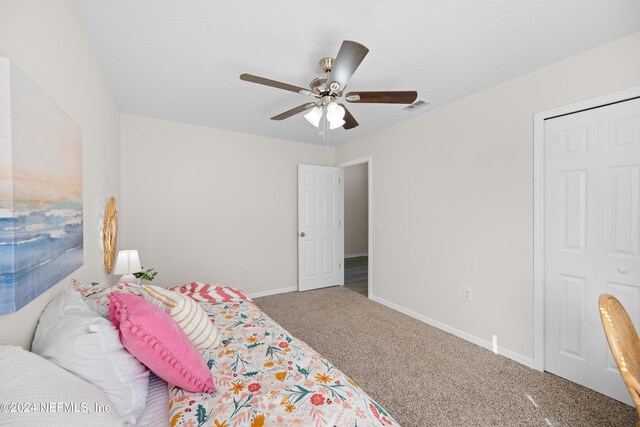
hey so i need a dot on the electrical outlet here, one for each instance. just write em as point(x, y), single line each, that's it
point(467, 293)
point(242, 266)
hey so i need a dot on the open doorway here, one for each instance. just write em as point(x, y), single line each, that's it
point(356, 228)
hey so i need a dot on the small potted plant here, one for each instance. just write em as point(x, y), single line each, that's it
point(148, 274)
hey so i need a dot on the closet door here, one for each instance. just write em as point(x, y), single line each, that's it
point(592, 191)
point(618, 255)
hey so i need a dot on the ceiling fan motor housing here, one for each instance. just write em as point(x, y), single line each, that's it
point(327, 99)
point(319, 85)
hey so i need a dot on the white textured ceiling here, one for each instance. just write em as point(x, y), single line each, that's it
point(180, 59)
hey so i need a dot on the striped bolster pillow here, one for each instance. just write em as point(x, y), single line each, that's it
point(187, 313)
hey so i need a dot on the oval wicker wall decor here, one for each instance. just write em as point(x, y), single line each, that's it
point(110, 234)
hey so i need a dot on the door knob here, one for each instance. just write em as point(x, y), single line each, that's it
point(622, 269)
point(302, 234)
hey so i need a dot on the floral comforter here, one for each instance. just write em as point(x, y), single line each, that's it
point(265, 377)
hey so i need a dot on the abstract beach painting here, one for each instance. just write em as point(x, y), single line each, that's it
point(41, 229)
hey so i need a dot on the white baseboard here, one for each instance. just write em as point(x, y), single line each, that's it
point(526, 361)
point(356, 255)
point(272, 292)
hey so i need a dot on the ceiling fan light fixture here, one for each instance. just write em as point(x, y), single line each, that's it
point(335, 124)
point(314, 116)
point(335, 112)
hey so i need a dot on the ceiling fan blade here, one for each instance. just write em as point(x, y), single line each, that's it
point(349, 58)
point(390, 97)
point(294, 111)
point(349, 121)
point(268, 82)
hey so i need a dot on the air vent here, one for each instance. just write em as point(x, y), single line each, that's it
point(419, 103)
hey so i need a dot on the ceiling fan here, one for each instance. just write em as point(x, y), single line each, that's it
point(330, 86)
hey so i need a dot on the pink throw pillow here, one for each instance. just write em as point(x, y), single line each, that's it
point(155, 339)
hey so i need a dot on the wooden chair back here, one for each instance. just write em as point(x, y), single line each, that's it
point(623, 342)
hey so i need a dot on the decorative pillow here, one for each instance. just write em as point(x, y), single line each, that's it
point(75, 338)
point(95, 294)
point(187, 313)
point(156, 340)
point(37, 392)
point(219, 292)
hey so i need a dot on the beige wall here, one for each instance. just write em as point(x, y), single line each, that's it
point(48, 42)
point(199, 201)
point(453, 192)
point(356, 217)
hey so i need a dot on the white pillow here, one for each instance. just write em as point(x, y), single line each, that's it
point(72, 336)
point(39, 393)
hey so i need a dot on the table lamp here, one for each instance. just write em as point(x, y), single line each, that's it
point(127, 263)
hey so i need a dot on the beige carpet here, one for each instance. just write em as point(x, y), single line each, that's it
point(426, 377)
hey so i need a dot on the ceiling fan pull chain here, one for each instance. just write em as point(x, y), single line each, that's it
point(326, 131)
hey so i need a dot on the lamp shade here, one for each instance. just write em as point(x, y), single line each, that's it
point(335, 112)
point(128, 262)
point(336, 123)
point(314, 116)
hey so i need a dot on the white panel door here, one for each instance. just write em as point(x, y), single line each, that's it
point(592, 226)
point(320, 230)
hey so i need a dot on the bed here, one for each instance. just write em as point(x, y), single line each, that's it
point(266, 377)
point(262, 375)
